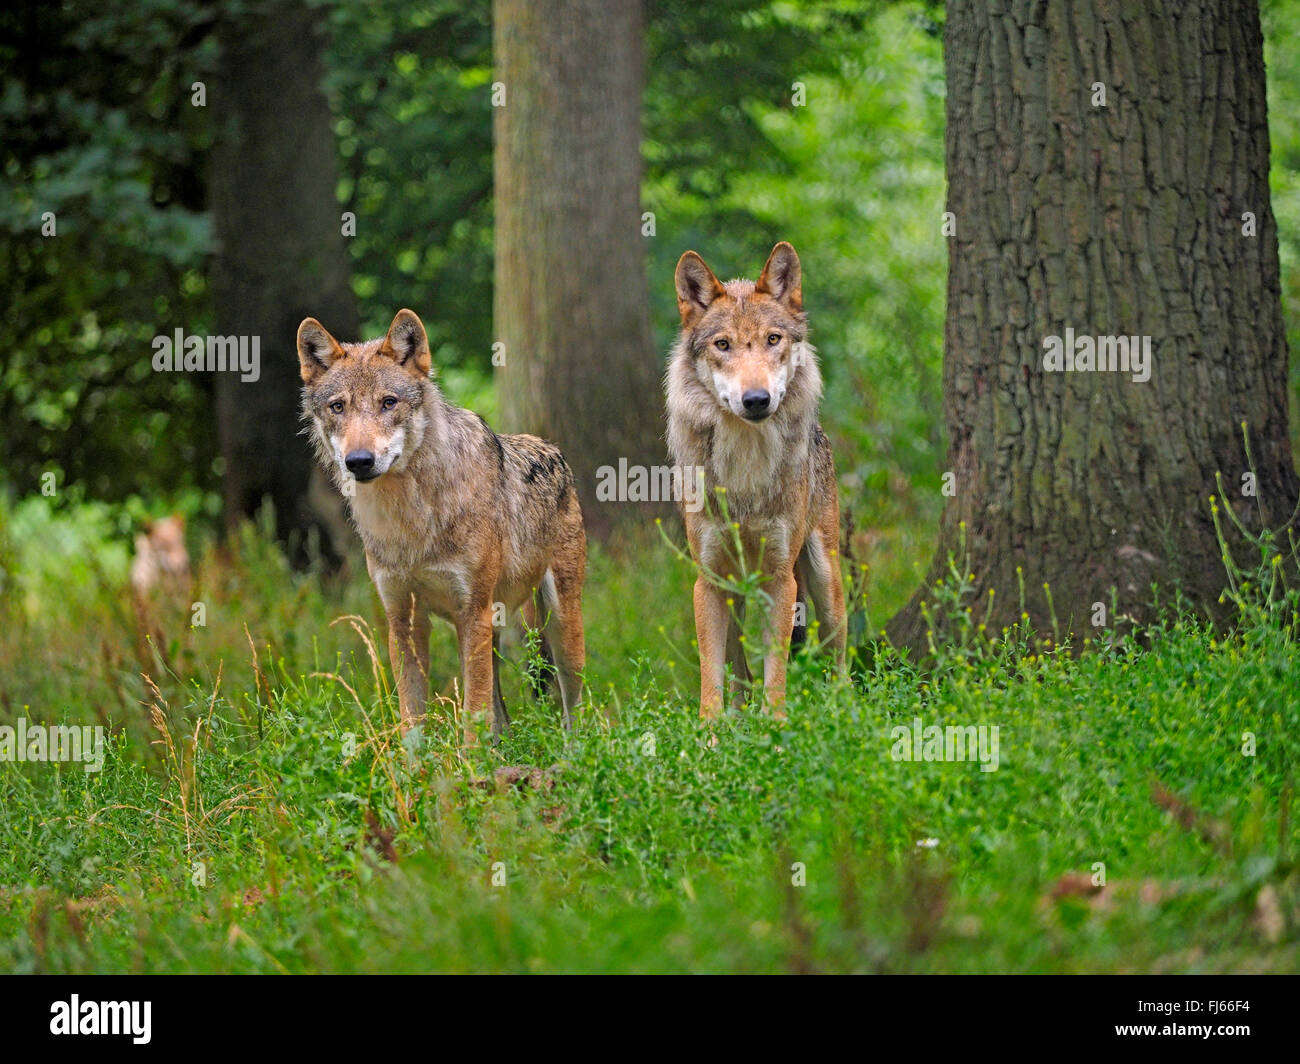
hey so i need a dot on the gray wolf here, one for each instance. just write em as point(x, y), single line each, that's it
point(743, 390)
point(456, 520)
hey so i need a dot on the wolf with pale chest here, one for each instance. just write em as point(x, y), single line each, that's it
point(743, 392)
point(456, 520)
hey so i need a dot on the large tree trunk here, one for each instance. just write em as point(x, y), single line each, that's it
point(1123, 219)
point(571, 299)
point(280, 257)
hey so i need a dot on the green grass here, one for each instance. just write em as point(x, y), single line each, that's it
point(274, 820)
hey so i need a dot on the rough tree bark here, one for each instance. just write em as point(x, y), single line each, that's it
point(281, 255)
point(580, 366)
point(1122, 219)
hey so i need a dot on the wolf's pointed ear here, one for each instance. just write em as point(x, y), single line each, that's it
point(696, 288)
point(782, 278)
point(317, 350)
point(408, 343)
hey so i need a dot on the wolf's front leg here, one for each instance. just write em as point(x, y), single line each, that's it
point(784, 591)
point(474, 633)
point(711, 621)
point(408, 653)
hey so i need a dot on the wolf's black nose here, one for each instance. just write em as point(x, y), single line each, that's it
point(756, 401)
point(360, 463)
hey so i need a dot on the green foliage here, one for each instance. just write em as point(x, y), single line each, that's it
point(1281, 19)
point(410, 87)
point(270, 818)
point(97, 131)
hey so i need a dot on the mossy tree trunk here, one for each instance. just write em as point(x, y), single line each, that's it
point(281, 255)
point(572, 311)
point(1144, 215)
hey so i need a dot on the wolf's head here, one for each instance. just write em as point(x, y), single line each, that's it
point(367, 401)
point(746, 338)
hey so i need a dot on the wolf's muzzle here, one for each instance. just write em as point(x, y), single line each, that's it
point(757, 404)
point(361, 464)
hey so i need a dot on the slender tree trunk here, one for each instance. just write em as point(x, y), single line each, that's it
point(281, 254)
point(1122, 219)
point(571, 298)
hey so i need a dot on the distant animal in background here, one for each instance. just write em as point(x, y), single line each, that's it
point(743, 393)
point(456, 519)
point(161, 562)
point(160, 584)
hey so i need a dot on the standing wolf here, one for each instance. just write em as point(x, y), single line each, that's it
point(456, 519)
point(743, 390)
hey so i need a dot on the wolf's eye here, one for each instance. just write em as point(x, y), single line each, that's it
point(389, 402)
point(337, 406)
point(773, 339)
point(721, 345)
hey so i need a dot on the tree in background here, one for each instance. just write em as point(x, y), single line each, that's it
point(579, 362)
point(1143, 212)
point(280, 251)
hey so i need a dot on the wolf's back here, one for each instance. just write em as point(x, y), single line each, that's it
point(536, 472)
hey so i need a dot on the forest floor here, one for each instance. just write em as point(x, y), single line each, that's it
point(258, 811)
